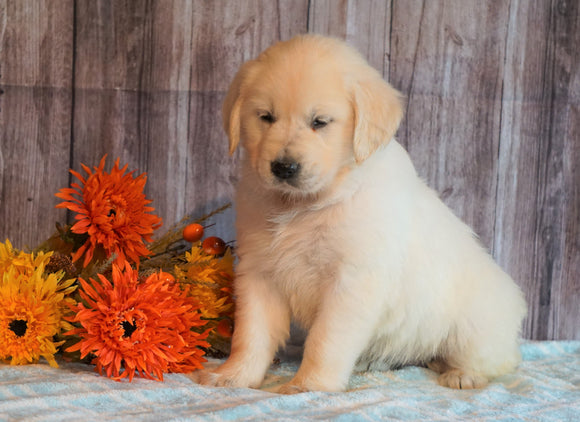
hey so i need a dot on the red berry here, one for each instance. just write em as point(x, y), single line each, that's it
point(224, 328)
point(214, 246)
point(193, 232)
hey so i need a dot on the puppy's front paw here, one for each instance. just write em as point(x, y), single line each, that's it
point(214, 379)
point(217, 378)
point(290, 388)
point(302, 385)
point(456, 378)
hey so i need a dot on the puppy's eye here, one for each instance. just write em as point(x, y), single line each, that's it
point(267, 117)
point(318, 123)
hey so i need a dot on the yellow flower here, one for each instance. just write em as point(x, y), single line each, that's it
point(32, 308)
point(210, 280)
point(208, 268)
point(24, 263)
point(211, 305)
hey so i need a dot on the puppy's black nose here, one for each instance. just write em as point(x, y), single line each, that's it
point(284, 169)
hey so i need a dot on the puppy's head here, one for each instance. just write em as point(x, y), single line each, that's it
point(308, 110)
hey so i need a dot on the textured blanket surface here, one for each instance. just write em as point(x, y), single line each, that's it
point(546, 387)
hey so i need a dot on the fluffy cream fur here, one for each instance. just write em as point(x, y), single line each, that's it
point(355, 247)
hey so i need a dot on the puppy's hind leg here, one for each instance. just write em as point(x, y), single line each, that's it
point(483, 343)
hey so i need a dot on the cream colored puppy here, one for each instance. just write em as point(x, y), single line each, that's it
point(336, 231)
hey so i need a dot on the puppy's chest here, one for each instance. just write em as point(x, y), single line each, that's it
point(303, 264)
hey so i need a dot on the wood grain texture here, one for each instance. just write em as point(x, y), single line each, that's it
point(132, 78)
point(365, 24)
point(537, 202)
point(492, 100)
point(35, 115)
point(227, 33)
point(448, 61)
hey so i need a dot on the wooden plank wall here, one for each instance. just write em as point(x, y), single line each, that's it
point(492, 122)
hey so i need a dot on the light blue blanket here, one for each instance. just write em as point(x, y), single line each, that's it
point(546, 387)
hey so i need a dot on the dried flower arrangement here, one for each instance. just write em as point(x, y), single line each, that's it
point(103, 291)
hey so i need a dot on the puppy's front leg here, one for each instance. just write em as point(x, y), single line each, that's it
point(262, 325)
point(340, 333)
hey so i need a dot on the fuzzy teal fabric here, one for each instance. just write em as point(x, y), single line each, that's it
point(546, 387)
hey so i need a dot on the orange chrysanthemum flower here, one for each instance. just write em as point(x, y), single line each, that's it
point(112, 210)
point(132, 326)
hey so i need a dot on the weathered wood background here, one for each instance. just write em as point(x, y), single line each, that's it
point(492, 123)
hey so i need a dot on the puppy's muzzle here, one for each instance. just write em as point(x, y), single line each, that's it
point(285, 170)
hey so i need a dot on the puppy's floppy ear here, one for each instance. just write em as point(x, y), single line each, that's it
point(378, 111)
point(233, 103)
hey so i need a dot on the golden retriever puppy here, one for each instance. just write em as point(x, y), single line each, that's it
point(336, 231)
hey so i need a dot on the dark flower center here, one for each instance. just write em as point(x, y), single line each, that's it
point(18, 327)
point(129, 328)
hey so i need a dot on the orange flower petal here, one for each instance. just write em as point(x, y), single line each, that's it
point(141, 328)
point(112, 209)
